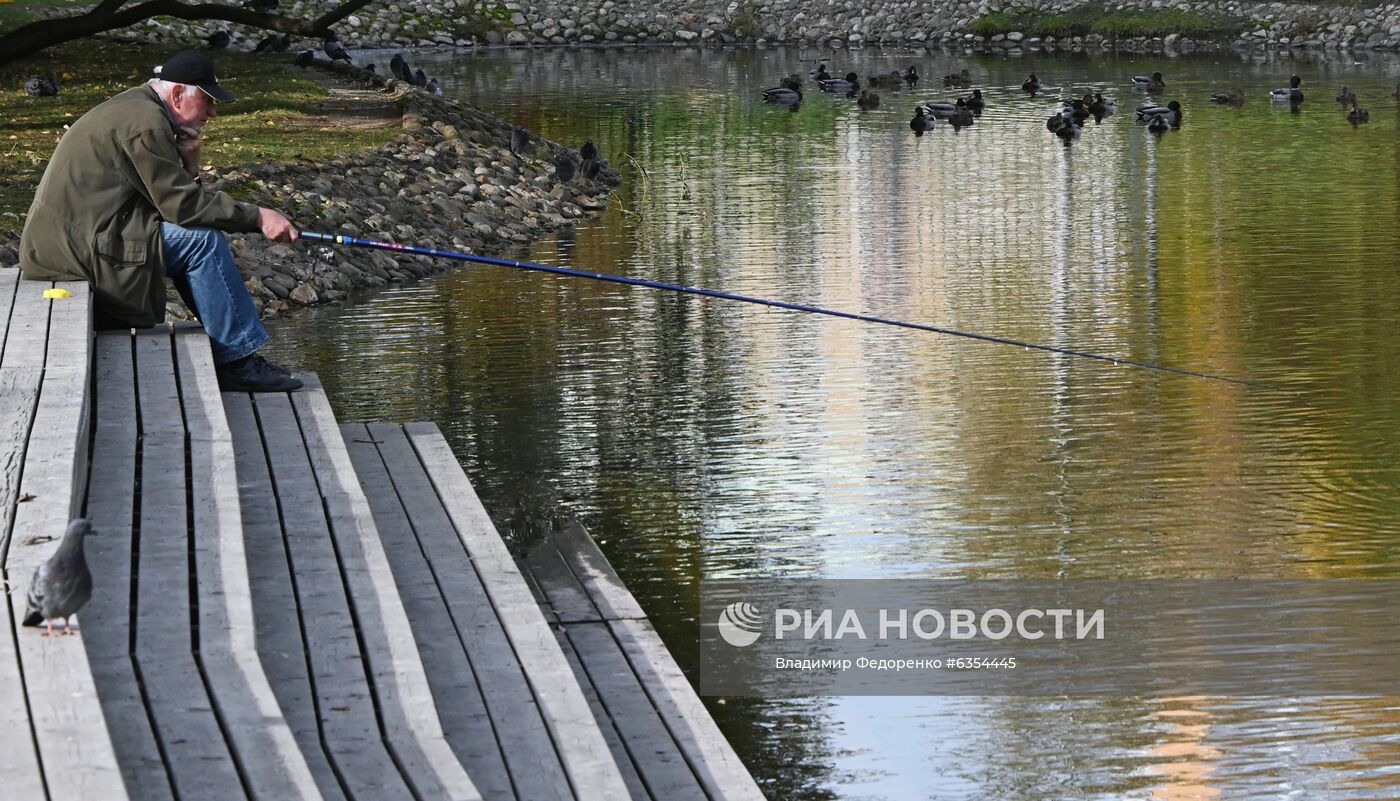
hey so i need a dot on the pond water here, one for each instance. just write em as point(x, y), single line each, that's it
point(704, 438)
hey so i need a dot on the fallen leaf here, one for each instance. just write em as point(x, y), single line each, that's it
point(36, 540)
point(26, 497)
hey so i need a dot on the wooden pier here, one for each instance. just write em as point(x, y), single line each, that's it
point(290, 608)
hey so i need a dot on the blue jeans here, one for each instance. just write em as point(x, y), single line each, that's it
point(199, 262)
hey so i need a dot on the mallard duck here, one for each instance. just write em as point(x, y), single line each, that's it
point(1171, 112)
point(849, 84)
point(793, 82)
point(1077, 110)
point(957, 79)
point(1235, 98)
point(976, 103)
point(962, 115)
point(941, 111)
point(1346, 97)
point(868, 100)
point(1032, 84)
point(922, 121)
point(819, 74)
point(1158, 124)
point(1292, 94)
point(1058, 121)
point(1152, 84)
point(910, 76)
point(1357, 115)
point(782, 95)
point(1101, 108)
point(1068, 131)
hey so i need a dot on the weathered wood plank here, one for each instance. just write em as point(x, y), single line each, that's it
point(19, 758)
point(270, 760)
point(607, 725)
point(583, 750)
point(107, 618)
point(649, 744)
point(279, 644)
point(494, 726)
point(198, 757)
point(28, 332)
point(563, 594)
point(19, 394)
point(9, 279)
point(74, 746)
point(349, 719)
point(596, 574)
point(411, 724)
point(710, 755)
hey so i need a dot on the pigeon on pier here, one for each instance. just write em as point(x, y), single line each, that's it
point(335, 49)
point(62, 585)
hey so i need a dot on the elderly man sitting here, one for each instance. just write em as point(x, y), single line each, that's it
point(120, 206)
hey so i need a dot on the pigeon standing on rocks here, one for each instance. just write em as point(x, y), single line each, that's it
point(335, 49)
point(398, 67)
point(305, 59)
point(420, 79)
point(61, 585)
point(218, 40)
point(434, 88)
point(564, 167)
point(40, 87)
point(277, 44)
point(589, 151)
point(520, 141)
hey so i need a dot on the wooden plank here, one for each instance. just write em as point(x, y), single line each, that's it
point(563, 595)
point(267, 752)
point(73, 742)
point(596, 574)
point(28, 332)
point(606, 724)
point(494, 726)
point(198, 757)
point(279, 643)
point(19, 756)
point(19, 395)
point(710, 755)
point(107, 618)
point(583, 750)
point(649, 744)
point(9, 280)
point(410, 720)
point(344, 695)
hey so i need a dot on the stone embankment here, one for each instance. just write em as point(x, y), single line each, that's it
point(450, 182)
point(904, 23)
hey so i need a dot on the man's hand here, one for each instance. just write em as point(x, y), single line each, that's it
point(276, 227)
point(189, 142)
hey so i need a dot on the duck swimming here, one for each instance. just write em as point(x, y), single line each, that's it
point(922, 121)
point(1171, 112)
point(1346, 96)
point(819, 74)
point(1032, 84)
point(1158, 124)
point(941, 111)
point(851, 83)
point(976, 103)
point(1357, 115)
point(868, 100)
point(1292, 94)
point(783, 95)
point(910, 76)
point(1101, 108)
point(1235, 98)
point(1152, 84)
point(957, 79)
point(962, 115)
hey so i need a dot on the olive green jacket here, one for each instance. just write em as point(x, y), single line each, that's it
point(115, 176)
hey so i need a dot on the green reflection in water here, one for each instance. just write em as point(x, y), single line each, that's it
point(697, 438)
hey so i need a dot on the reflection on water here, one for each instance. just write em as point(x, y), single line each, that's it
point(703, 438)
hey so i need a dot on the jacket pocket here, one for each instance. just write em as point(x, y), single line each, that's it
point(122, 282)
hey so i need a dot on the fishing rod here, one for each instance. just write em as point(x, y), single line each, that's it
point(777, 304)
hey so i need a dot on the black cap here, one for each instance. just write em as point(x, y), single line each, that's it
point(194, 69)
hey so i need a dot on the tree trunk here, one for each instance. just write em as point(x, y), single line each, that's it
point(109, 15)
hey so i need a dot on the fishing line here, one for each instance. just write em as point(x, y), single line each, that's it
point(778, 304)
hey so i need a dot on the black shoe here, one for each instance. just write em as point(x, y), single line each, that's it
point(253, 373)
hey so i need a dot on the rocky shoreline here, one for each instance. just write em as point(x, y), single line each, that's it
point(449, 182)
point(890, 23)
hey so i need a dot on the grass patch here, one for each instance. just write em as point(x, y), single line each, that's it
point(273, 120)
point(1113, 24)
